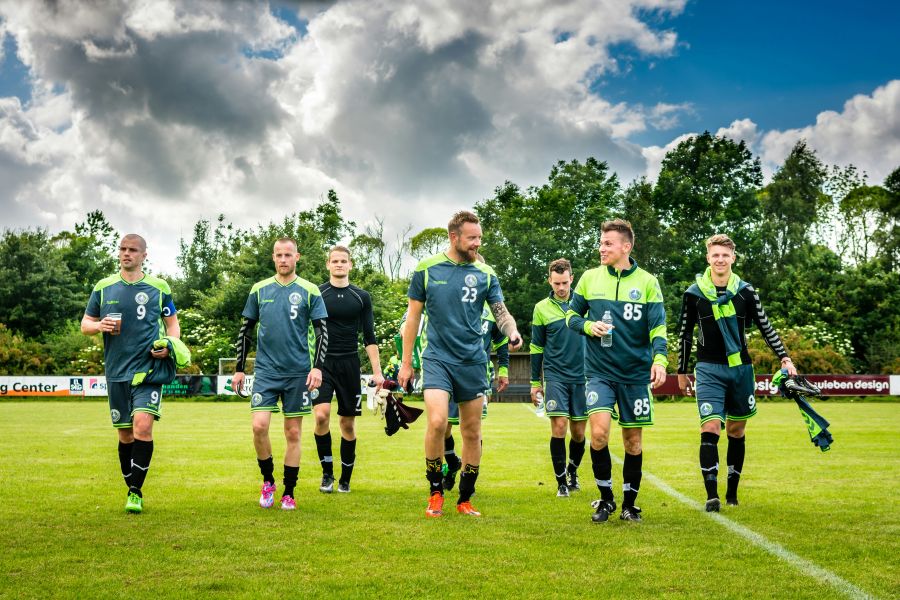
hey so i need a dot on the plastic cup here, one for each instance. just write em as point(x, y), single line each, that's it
point(117, 327)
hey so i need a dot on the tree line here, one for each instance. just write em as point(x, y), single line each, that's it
point(821, 243)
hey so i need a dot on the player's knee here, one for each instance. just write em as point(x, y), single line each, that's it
point(260, 429)
point(714, 426)
point(292, 435)
point(599, 439)
point(735, 428)
point(632, 445)
point(321, 419)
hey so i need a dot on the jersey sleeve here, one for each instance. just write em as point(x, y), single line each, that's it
point(536, 348)
point(317, 308)
point(656, 322)
point(758, 314)
point(251, 307)
point(368, 320)
point(93, 305)
point(578, 307)
point(501, 347)
point(416, 289)
point(686, 335)
point(168, 305)
point(494, 294)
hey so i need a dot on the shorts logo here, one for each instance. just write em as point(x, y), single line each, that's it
point(471, 280)
point(634, 294)
point(705, 409)
point(314, 394)
point(551, 404)
point(114, 415)
point(294, 298)
point(256, 399)
point(141, 298)
point(154, 397)
point(592, 398)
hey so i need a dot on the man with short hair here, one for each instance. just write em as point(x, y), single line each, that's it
point(132, 309)
point(557, 357)
point(724, 306)
point(349, 314)
point(290, 313)
point(451, 288)
point(619, 368)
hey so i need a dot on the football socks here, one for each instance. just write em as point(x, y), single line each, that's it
point(467, 483)
point(323, 446)
point(735, 459)
point(601, 462)
point(125, 460)
point(267, 468)
point(631, 478)
point(558, 458)
point(348, 457)
point(709, 462)
point(290, 480)
point(141, 454)
point(434, 475)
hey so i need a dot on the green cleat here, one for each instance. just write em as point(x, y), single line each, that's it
point(134, 504)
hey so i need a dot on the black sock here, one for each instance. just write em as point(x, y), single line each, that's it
point(141, 454)
point(290, 480)
point(267, 468)
point(601, 461)
point(558, 459)
point(735, 459)
point(453, 461)
point(709, 462)
point(631, 478)
point(125, 460)
point(467, 483)
point(348, 457)
point(323, 446)
point(576, 453)
point(433, 475)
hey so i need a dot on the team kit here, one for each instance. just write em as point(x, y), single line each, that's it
point(598, 348)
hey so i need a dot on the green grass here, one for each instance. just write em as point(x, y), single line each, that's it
point(63, 532)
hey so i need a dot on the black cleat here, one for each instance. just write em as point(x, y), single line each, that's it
point(449, 480)
point(343, 487)
point(712, 505)
point(731, 501)
point(327, 484)
point(562, 491)
point(604, 510)
point(630, 513)
point(573, 482)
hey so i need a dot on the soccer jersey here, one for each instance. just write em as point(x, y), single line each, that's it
point(454, 295)
point(349, 313)
point(143, 304)
point(285, 340)
point(635, 301)
point(555, 349)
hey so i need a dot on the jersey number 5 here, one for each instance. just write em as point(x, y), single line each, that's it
point(293, 311)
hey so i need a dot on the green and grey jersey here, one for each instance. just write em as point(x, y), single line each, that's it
point(143, 305)
point(454, 295)
point(555, 349)
point(635, 301)
point(285, 341)
point(495, 341)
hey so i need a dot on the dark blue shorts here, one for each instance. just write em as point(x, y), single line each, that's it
point(296, 400)
point(565, 400)
point(125, 400)
point(631, 404)
point(725, 392)
point(463, 382)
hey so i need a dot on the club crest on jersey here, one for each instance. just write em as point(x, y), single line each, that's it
point(256, 399)
point(551, 404)
point(634, 294)
point(705, 409)
point(294, 298)
point(592, 398)
point(114, 415)
point(471, 280)
point(141, 298)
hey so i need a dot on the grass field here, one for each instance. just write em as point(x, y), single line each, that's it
point(64, 533)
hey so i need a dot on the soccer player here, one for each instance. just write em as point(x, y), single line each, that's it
point(349, 313)
point(452, 287)
point(724, 306)
point(557, 354)
point(131, 309)
point(494, 341)
point(290, 313)
point(619, 368)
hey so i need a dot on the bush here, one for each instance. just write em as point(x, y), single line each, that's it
point(813, 348)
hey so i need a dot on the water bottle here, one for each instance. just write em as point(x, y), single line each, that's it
point(539, 411)
point(606, 340)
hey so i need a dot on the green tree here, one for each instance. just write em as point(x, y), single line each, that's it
point(202, 260)
point(429, 241)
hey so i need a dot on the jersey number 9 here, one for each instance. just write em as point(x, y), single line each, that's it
point(141, 311)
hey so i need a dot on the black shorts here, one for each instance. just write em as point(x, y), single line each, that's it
point(341, 378)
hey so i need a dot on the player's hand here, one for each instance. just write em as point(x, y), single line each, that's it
point(657, 376)
point(405, 375)
point(788, 364)
point(160, 352)
point(106, 325)
point(534, 392)
point(378, 379)
point(502, 384)
point(314, 379)
point(599, 328)
point(237, 382)
point(515, 341)
point(685, 385)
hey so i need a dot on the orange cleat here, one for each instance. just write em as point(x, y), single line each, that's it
point(466, 508)
point(435, 505)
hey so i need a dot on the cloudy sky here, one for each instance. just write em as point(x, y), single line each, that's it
point(162, 112)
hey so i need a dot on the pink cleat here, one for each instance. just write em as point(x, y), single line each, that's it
point(288, 503)
point(267, 495)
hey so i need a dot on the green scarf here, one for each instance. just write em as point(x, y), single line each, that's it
point(723, 311)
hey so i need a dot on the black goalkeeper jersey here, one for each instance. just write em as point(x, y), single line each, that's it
point(349, 313)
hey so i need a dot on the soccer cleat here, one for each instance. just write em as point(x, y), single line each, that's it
point(731, 501)
point(449, 479)
point(343, 487)
point(435, 505)
point(604, 508)
point(267, 495)
point(713, 505)
point(134, 503)
point(572, 476)
point(563, 491)
point(630, 513)
point(288, 503)
point(466, 508)
point(327, 485)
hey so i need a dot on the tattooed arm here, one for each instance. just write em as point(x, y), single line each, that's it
point(507, 325)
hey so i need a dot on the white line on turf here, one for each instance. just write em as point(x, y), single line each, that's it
point(801, 564)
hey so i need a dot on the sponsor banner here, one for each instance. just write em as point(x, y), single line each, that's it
point(94, 385)
point(831, 385)
point(41, 386)
point(224, 385)
point(191, 385)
